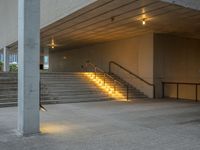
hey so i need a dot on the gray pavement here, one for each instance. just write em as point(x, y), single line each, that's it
point(109, 125)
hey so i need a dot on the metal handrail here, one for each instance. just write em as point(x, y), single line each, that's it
point(131, 73)
point(185, 83)
point(102, 71)
point(40, 97)
point(177, 88)
point(96, 68)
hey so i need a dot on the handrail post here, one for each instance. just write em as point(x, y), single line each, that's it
point(95, 69)
point(177, 90)
point(196, 92)
point(40, 91)
point(104, 78)
point(127, 92)
point(114, 85)
point(86, 66)
point(163, 89)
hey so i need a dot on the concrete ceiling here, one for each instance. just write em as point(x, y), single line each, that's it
point(108, 20)
point(194, 4)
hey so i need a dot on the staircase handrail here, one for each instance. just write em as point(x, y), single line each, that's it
point(95, 67)
point(102, 71)
point(131, 73)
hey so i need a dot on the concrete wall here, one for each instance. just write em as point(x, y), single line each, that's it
point(51, 11)
point(135, 54)
point(177, 60)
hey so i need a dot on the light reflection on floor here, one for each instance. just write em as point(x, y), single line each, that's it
point(53, 128)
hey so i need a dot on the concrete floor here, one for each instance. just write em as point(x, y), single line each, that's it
point(139, 125)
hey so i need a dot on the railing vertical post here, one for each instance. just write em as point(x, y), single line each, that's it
point(196, 92)
point(114, 85)
point(163, 90)
point(86, 67)
point(40, 97)
point(154, 91)
point(104, 79)
point(40, 88)
point(95, 69)
point(127, 92)
point(177, 90)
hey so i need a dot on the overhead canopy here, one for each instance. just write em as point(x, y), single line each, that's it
point(108, 20)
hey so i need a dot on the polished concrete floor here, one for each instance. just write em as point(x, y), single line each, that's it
point(138, 125)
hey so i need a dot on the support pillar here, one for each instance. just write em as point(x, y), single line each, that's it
point(28, 62)
point(5, 60)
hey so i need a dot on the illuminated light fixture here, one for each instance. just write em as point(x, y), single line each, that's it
point(144, 21)
point(64, 57)
point(53, 43)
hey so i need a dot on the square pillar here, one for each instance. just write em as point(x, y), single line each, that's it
point(28, 63)
point(5, 59)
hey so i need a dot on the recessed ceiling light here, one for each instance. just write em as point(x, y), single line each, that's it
point(144, 21)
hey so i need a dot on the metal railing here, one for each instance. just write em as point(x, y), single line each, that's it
point(132, 74)
point(40, 97)
point(115, 82)
point(178, 88)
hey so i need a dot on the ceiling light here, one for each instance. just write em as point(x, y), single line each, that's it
point(52, 43)
point(144, 21)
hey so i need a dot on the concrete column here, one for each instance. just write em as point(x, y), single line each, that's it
point(5, 60)
point(28, 72)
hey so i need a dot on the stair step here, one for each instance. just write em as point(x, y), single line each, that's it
point(64, 88)
point(8, 104)
point(133, 92)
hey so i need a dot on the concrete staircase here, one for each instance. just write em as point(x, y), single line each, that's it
point(121, 86)
point(55, 88)
point(8, 89)
point(134, 93)
point(69, 88)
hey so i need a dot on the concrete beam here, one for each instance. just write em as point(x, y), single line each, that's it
point(193, 4)
point(28, 73)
